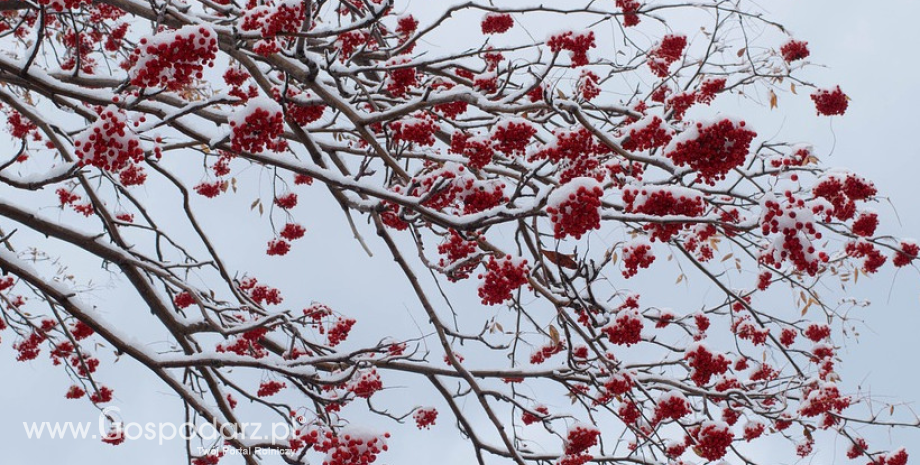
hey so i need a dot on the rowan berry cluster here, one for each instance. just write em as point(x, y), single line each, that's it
point(339, 331)
point(246, 344)
point(425, 417)
point(577, 44)
point(183, 300)
point(257, 126)
point(666, 53)
point(270, 388)
point(211, 189)
point(580, 438)
point(260, 293)
point(400, 78)
point(629, 9)
point(418, 130)
point(172, 59)
point(576, 153)
point(512, 137)
point(830, 102)
point(496, 23)
point(502, 277)
point(794, 50)
point(574, 209)
point(843, 190)
point(528, 418)
point(478, 150)
point(365, 383)
point(907, 254)
point(663, 201)
point(712, 150)
point(588, 85)
point(705, 363)
point(109, 144)
point(546, 352)
point(872, 257)
point(712, 439)
point(794, 219)
point(626, 329)
point(456, 251)
point(285, 18)
point(648, 133)
point(671, 406)
point(636, 254)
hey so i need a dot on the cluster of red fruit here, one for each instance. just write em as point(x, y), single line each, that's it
point(574, 209)
point(172, 59)
point(502, 277)
point(577, 44)
point(713, 150)
point(496, 23)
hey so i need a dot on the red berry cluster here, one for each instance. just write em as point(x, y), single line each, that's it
point(456, 251)
point(636, 255)
point(172, 59)
point(246, 344)
point(425, 417)
point(286, 18)
point(629, 9)
point(626, 329)
point(842, 190)
point(679, 103)
point(418, 130)
point(712, 150)
point(339, 331)
point(823, 398)
point(260, 293)
point(400, 79)
point(830, 102)
point(580, 438)
point(109, 144)
point(753, 430)
point(865, 225)
point(588, 85)
point(257, 126)
point(898, 457)
point(496, 23)
point(511, 137)
point(745, 329)
point(576, 153)
point(795, 221)
point(348, 42)
point(546, 352)
point(709, 88)
point(478, 150)
point(704, 364)
point(712, 439)
point(502, 277)
point(664, 201)
point(211, 189)
point(648, 133)
point(349, 447)
point(872, 258)
point(365, 383)
point(794, 50)
point(30, 347)
point(666, 53)
point(102, 396)
point(574, 209)
point(529, 418)
point(671, 406)
point(817, 332)
point(183, 300)
point(577, 45)
point(75, 392)
point(908, 253)
point(270, 388)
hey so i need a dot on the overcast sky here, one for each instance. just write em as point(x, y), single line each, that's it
point(870, 50)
